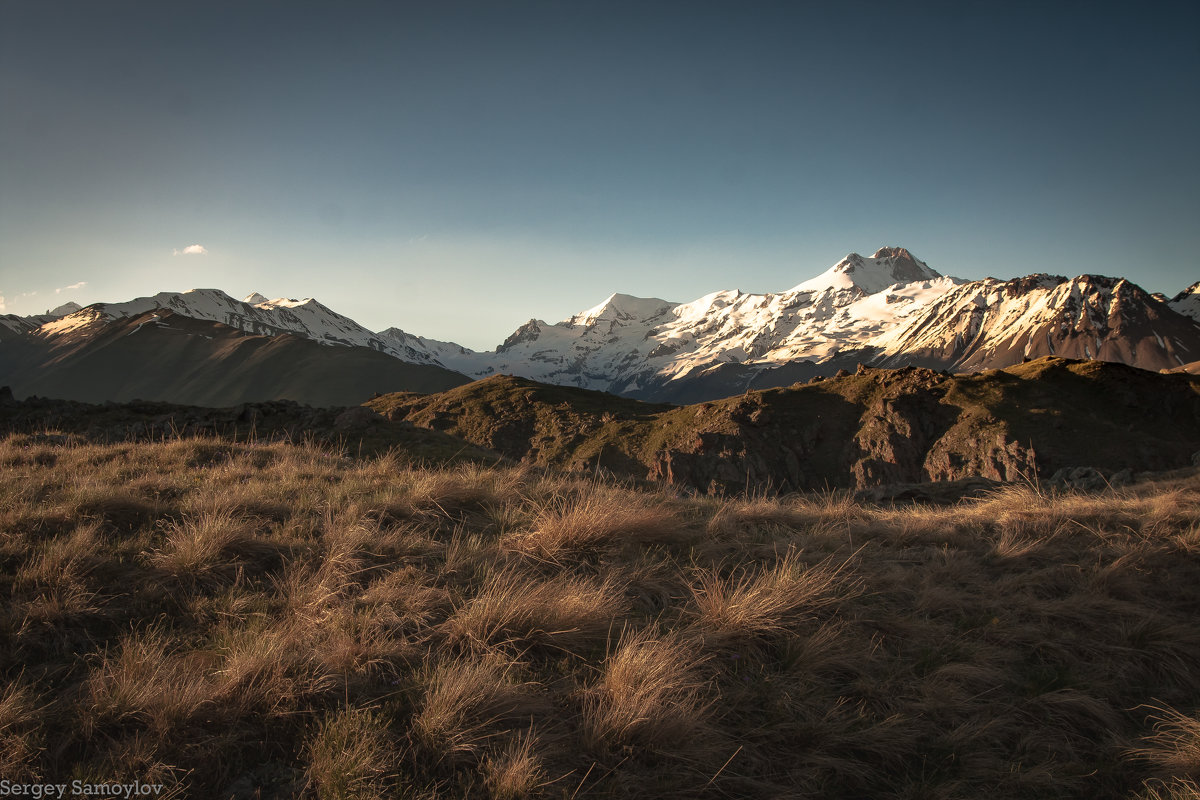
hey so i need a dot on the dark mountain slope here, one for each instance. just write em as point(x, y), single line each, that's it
point(161, 355)
point(873, 428)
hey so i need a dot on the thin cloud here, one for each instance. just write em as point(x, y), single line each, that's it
point(191, 250)
point(2, 306)
point(72, 287)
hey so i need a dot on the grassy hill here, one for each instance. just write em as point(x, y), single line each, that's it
point(264, 619)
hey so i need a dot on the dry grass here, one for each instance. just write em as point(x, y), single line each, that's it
point(651, 693)
point(19, 726)
point(1174, 747)
point(599, 519)
point(515, 771)
point(565, 611)
point(468, 701)
point(195, 546)
point(754, 603)
point(352, 756)
point(241, 618)
point(146, 682)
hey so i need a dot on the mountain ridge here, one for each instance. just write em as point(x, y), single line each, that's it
point(889, 309)
point(873, 428)
point(163, 355)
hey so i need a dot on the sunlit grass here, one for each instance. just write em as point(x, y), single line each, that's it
point(235, 617)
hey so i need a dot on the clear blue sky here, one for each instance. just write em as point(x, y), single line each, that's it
point(456, 168)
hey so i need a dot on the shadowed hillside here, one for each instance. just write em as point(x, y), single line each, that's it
point(355, 431)
point(165, 356)
point(872, 428)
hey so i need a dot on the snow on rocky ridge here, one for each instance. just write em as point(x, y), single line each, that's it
point(1187, 302)
point(989, 323)
point(637, 341)
point(255, 314)
point(888, 309)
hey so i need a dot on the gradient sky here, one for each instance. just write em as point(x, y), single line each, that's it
point(457, 168)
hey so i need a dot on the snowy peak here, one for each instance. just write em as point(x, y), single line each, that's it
point(306, 318)
point(1187, 302)
point(529, 332)
point(886, 309)
point(1191, 291)
point(990, 323)
point(64, 310)
point(889, 266)
point(621, 308)
point(630, 344)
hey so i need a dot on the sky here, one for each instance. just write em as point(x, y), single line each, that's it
point(456, 168)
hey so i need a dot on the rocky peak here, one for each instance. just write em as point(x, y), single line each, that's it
point(898, 253)
point(1032, 283)
point(64, 310)
point(888, 267)
point(1187, 302)
point(528, 332)
point(903, 265)
point(622, 307)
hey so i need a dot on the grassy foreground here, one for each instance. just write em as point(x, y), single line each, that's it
point(278, 620)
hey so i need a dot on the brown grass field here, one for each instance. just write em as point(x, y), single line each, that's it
point(277, 620)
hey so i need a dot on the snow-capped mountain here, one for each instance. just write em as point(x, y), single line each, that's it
point(630, 344)
point(1187, 302)
point(889, 309)
point(255, 314)
point(990, 323)
point(12, 323)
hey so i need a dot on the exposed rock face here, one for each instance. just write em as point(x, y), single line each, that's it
point(906, 433)
point(899, 430)
point(874, 428)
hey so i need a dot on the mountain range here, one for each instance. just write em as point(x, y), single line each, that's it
point(886, 310)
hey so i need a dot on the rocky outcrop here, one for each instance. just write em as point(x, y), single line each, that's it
point(873, 428)
point(902, 431)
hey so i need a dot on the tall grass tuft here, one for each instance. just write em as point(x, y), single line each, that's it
point(598, 520)
point(651, 693)
point(469, 701)
point(566, 611)
point(352, 756)
point(752, 603)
